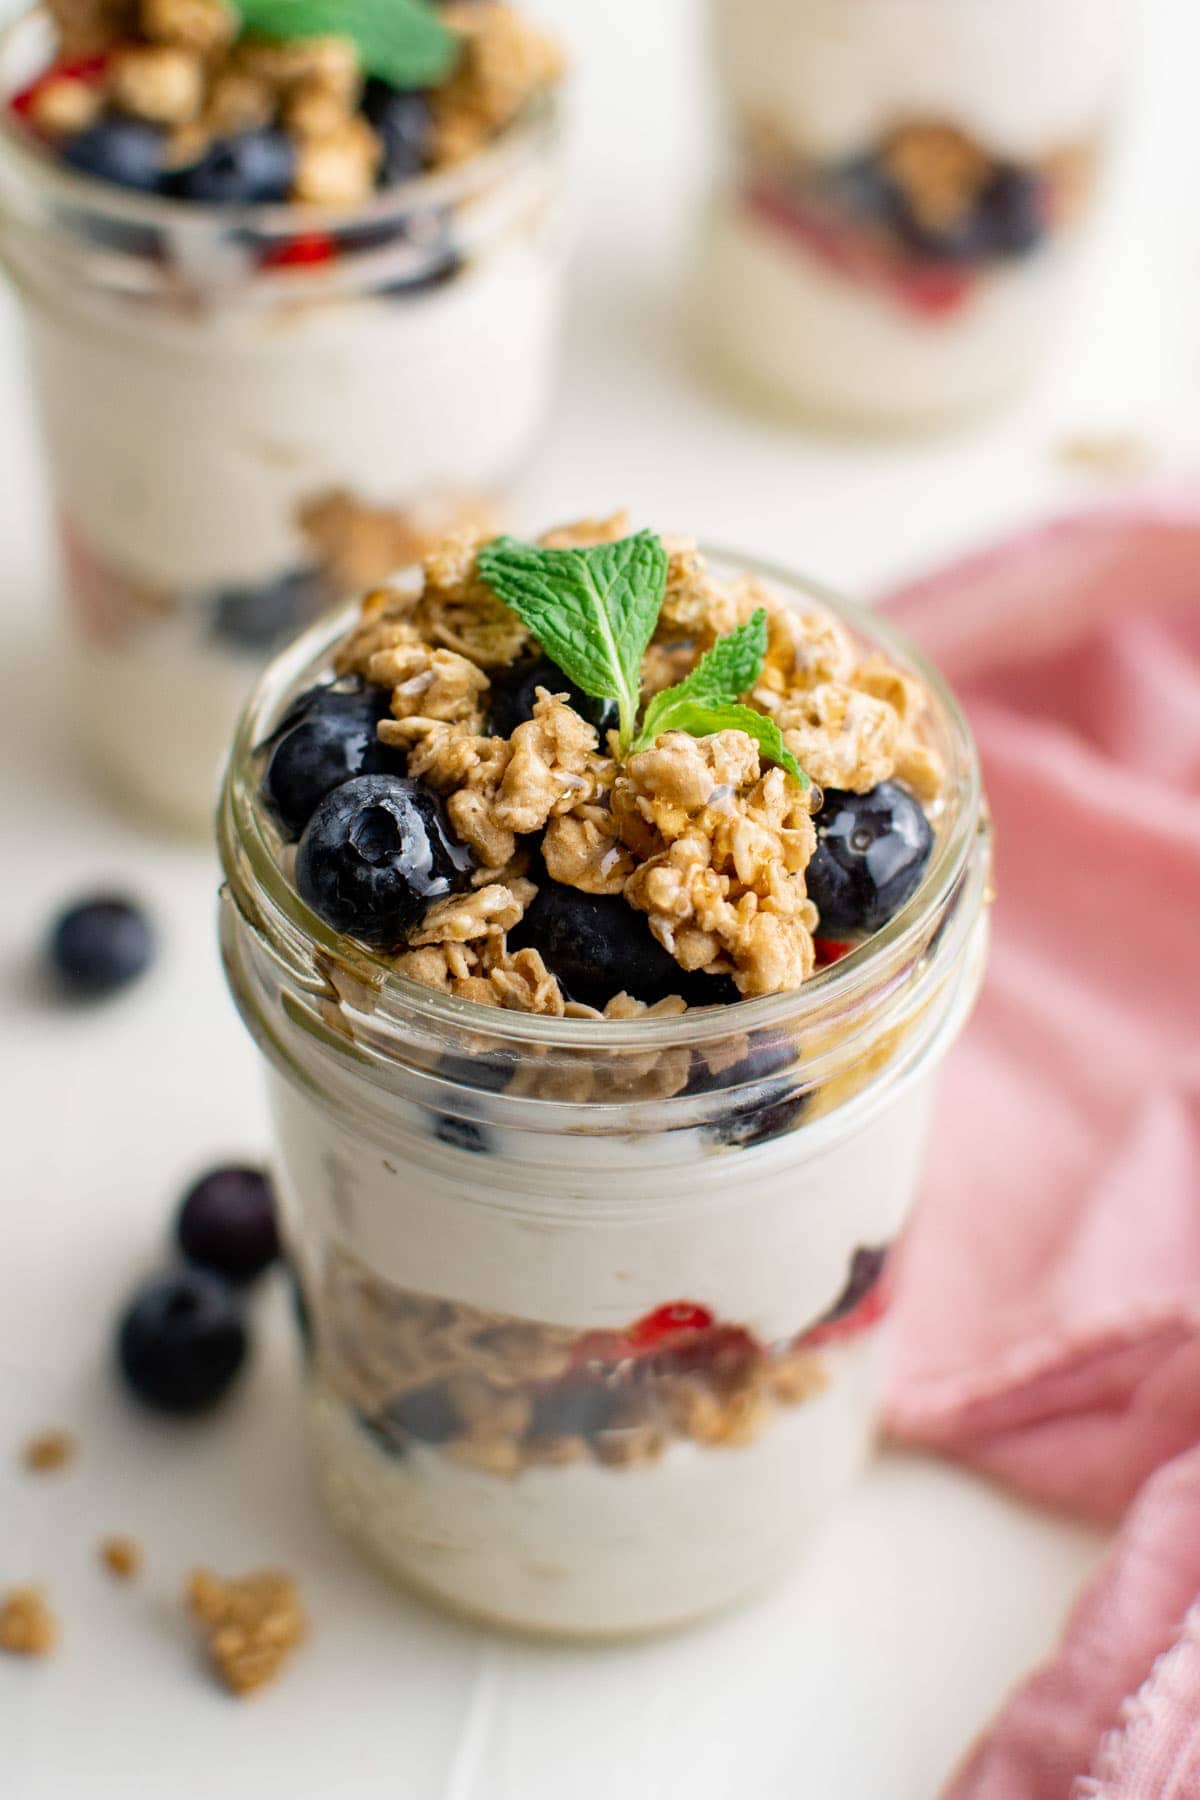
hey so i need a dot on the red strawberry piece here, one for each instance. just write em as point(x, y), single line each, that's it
point(830, 951)
point(89, 69)
point(308, 251)
point(666, 1323)
point(931, 289)
point(928, 288)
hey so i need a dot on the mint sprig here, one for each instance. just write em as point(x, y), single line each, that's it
point(402, 41)
point(593, 610)
point(707, 701)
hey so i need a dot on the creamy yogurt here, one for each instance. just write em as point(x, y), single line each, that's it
point(796, 334)
point(586, 1550)
point(184, 449)
point(763, 1238)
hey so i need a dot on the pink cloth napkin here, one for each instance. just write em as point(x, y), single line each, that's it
point(1049, 1304)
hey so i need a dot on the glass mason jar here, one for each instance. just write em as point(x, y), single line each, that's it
point(249, 411)
point(593, 1311)
point(898, 237)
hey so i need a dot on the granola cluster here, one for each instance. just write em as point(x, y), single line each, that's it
point(503, 1394)
point(703, 836)
point(185, 66)
point(251, 1625)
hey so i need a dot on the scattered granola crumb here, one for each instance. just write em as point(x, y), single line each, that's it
point(1117, 453)
point(49, 1451)
point(27, 1626)
point(252, 1624)
point(122, 1557)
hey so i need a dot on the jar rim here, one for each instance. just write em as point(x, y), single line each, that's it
point(248, 847)
point(519, 144)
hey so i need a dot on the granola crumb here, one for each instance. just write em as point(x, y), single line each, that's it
point(251, 1624)
point(48, 1451)
point(159, 83)
point(1118, 453)
point(27, 1626)
point(121, 1556)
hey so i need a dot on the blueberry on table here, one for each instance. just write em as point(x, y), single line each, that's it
point(515, 690)
point(598, 946)
point(872, 850)
point(124, 151)
point(373, 856)
point(182, 1341)
point(403, 121)
point(254, 168)
point(227, 1223)
point(101, 945)
point(328, 737)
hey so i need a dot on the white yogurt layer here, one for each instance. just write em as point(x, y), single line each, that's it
point(763, 1237)
point(592, 1550)
point(1022, 76)
point(808, 338)
point(182, 448)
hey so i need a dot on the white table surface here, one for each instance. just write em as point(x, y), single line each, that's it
point(864, 1676)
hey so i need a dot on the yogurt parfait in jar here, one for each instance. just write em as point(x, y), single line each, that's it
point(898, 235)
point(292, 274)
point(603, 910)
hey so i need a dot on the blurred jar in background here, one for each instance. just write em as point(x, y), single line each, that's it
point(896, 240)
point(252, 410)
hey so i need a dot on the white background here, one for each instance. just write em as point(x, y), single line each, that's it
point(868, 1673)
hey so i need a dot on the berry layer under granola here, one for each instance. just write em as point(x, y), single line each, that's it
point(205, 101)
point(707, 797)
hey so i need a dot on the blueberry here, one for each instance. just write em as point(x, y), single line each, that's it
point(124, 151)
point(462, 1134)
point(775, 1106)
point(862, 188)
point(101, 945)
point(577, 1407)
point(182, 1341)
point(866, 1266)
point(1012, 215)
point(515, 690)
point(427, 1414)
point(227, 1223)
point(252, 169)
point(597, 945)
point(403, 121)
point(871, 853)
point(443, 266)
point(329, 736)
point(260, 615)
point(374, 854)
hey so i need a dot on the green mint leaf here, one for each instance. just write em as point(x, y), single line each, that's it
point(402, 41)
point(702, 718)
point(593, 610)
point(724, 672)
point(732, 665)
